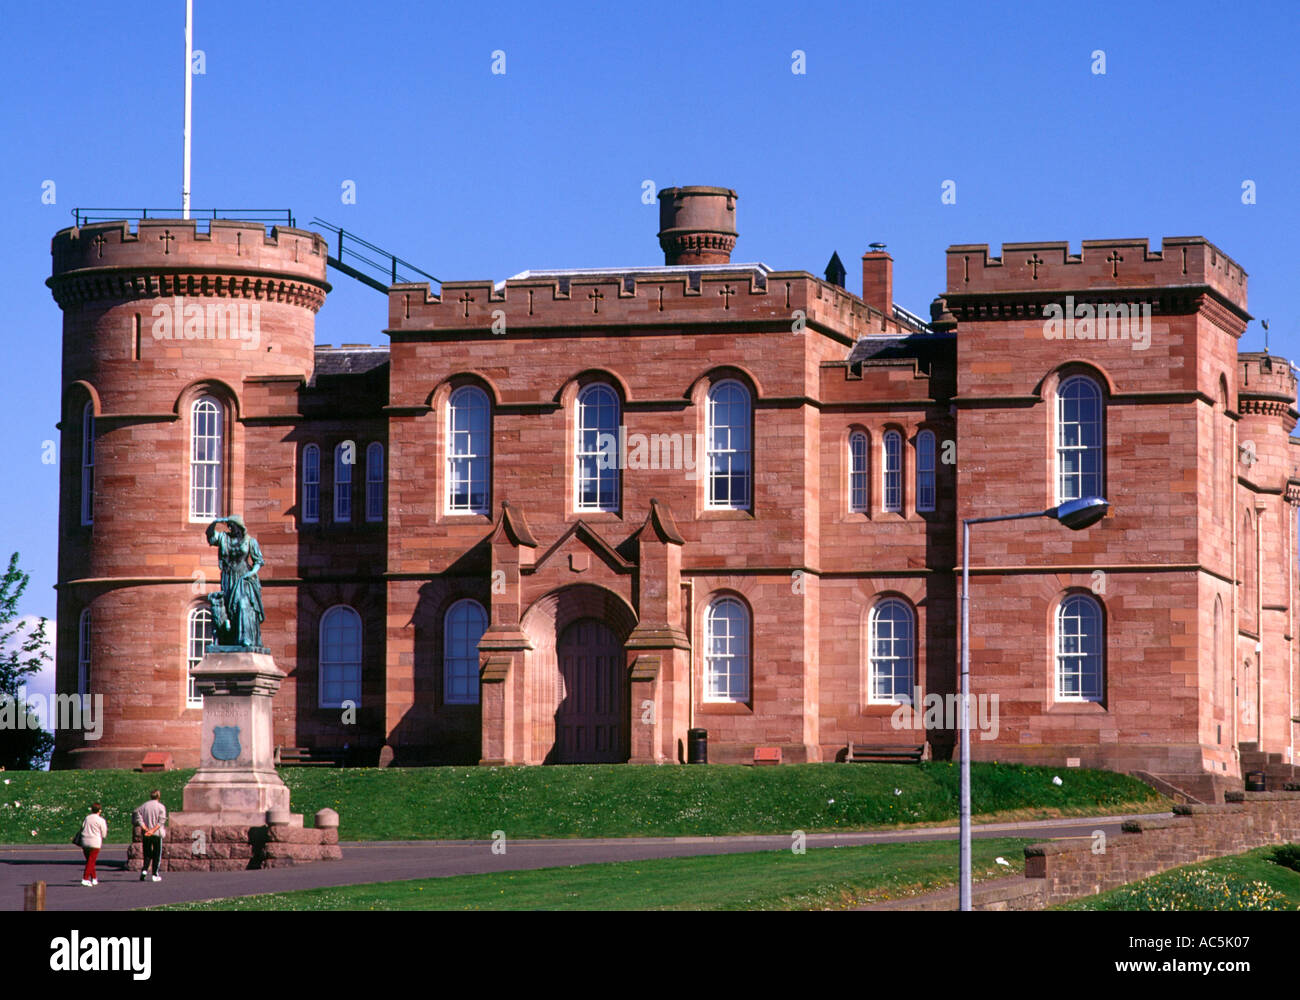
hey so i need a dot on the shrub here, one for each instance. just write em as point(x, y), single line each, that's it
point(1287, 855)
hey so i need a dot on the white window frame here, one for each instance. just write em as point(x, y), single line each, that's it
point(1080, 483)
point(859, 448)
point(926, 466)
point(83, 653)
point(311, 484)
point(375, 481)
point(329, 668)
point(460, 672)
point(891, 653)
point(206, 473)
point(725, 452)
point(343, 482)
point(198, 634)
point(590, 465)
point(1075, 616)
point(468, 462)
point(88, 464)
point(891, 472)
point(724, 648)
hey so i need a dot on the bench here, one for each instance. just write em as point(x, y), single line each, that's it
point(767, 755)
point(309, 757)
point(866, 753)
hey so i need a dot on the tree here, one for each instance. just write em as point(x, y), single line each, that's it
point(22, 652)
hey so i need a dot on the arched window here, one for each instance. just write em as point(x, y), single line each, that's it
point(1080, 645)
point(205, 459)
point(199, 631)
point(729, 450)
point(891, 653)
point(726, 651)
point(892, 472)
point(345, 456)
point(83, 653)
point(375, 482)
point(311, 484)
point(925, 491)
point(1078, 439)
point(858, 473)
point(596, 451)
point(340, 657)
point(88, 464)
point(463, 627)
point(468, 451)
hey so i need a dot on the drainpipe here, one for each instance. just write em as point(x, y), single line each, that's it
point(690, 663)
point(1290, 631)
point(1236, 604)
point(1258, 598)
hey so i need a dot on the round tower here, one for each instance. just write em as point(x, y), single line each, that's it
point(169, 336)
point(697, 225)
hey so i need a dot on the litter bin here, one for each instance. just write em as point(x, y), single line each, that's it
point(697, 746)
point(1255, 781)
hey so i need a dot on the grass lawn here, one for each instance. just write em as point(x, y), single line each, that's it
point(823, 878)
point(469, 803)
point(1178, 888)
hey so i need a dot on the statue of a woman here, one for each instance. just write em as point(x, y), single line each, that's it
point(237, 612)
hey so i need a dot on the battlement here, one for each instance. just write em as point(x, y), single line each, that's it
point(229, 246)
point(636, 298)
point(1101, 264)
point(1263, 376)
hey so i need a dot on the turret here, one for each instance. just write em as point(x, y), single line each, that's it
point(162, 326)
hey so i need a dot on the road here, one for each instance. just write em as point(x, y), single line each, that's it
point(60, 866)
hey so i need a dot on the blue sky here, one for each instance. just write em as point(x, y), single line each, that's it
point(474, 175)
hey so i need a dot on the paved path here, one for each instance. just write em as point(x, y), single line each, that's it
point(375, 861)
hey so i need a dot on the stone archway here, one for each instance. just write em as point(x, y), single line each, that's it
point(589, 626)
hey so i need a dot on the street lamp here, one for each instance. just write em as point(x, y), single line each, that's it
point(1074, 514)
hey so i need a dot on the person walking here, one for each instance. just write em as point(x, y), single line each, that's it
point(93, 831)
point(151, 818)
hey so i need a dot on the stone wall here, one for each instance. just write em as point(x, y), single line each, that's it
point(1067, 870)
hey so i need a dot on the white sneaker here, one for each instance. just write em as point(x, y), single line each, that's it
point(94, 881)
point(157, 878)
point(85, 881)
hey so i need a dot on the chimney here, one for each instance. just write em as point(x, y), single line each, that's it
point(697, 225)
point(878, 279)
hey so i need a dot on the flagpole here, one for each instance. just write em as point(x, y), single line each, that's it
point(189, 86)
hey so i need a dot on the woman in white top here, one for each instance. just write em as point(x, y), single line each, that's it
point(93, 831)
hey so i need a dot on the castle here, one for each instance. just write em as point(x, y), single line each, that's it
point(570, 516)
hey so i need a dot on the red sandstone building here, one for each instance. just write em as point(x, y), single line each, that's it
point(569, 516)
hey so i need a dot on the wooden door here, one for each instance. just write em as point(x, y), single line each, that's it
point(591, 724)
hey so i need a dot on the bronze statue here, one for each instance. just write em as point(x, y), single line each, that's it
point(237, 612)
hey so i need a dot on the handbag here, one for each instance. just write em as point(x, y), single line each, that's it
point(76, 839)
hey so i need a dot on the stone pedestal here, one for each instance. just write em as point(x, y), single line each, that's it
point(236, 783)
point(236, 808)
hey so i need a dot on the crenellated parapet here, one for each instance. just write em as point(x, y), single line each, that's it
point(1103, 266)
point(1266, 386)
point(635, 299)
point(168, 257)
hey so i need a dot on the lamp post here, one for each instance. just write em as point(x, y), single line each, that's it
point(1074, 514)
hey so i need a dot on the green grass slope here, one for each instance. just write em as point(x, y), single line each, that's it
point(469, 803)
